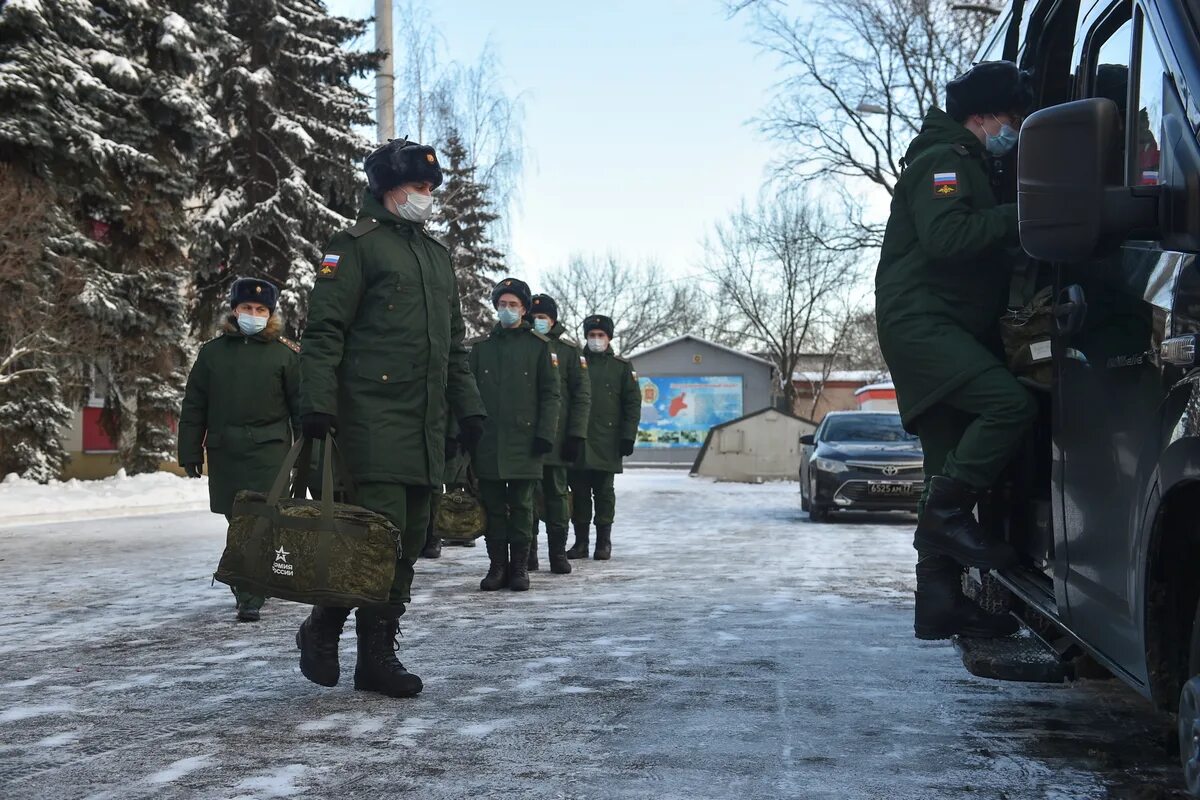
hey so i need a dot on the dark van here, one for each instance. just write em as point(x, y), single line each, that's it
point(1104, 500)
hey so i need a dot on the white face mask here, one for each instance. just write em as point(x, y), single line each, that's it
point(597, 345)
point(249, 324)
point(419, 207)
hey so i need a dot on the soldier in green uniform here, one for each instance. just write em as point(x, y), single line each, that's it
point(576, 390)
point(940, 289)
point(517, 374)
point(612, 430)
point(382, 365)
point(242, 406)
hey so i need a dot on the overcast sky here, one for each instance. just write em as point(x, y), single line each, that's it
point(637, 120)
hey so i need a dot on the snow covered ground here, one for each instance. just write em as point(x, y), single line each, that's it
point(24, 501)
point(731, 649)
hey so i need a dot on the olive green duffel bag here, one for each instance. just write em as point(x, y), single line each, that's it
point(319, 552)
point(458, 514)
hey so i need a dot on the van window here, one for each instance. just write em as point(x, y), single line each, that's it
point(1147, 126)
point(1111, 57)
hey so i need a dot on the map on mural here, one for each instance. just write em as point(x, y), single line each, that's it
point(678, 411)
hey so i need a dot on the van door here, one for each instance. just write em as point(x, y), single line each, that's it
point(1110, 389)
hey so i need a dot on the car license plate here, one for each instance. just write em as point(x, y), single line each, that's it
point(876, 487)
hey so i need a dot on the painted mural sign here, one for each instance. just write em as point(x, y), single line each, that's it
point(677, 411)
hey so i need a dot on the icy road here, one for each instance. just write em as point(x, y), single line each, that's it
point(731, 649)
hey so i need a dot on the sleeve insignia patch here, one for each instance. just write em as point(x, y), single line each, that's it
point(554, 359)
point(329, 266)
point(583, 361)
point(945, 184)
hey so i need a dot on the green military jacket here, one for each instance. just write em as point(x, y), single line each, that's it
point(943, 276)
point(575, 390)
point(242, 406)
point(383, 349)
point(517, 373)
point(615, 413)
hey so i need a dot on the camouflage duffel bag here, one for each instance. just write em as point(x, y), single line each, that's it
point(319, 552)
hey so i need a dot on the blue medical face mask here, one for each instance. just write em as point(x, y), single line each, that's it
point(508, 316)
point(1002, 142)
point(542, 326)
point(249, 324)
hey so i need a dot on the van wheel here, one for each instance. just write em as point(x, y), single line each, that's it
point(1189, 716)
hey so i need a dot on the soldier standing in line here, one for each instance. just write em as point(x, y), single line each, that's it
point(242, 406)
point(576, 391)
point(612, 431)
point(517, 374)
point(383, 366)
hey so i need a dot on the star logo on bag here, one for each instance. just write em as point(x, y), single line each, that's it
point(281, 556)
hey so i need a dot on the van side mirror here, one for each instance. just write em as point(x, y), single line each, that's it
point(1071, 199)
point(807, 439)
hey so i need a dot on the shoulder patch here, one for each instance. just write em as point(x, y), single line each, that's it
point(541, 336)
point(962, 149)
point(570, 343)
point(476, 340)
point(363, 227)
point(330, 262)
point(945, 184)
point(293, 346)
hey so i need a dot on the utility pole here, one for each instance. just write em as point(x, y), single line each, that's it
point(385, 77)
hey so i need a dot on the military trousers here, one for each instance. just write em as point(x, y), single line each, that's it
point(509, 508)
point(407, 507)
point(972, 433)
point(591, 487)
point(553, 498)
point(971, 436)
point(244, 598)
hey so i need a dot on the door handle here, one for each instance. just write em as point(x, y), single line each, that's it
point(1070, 310)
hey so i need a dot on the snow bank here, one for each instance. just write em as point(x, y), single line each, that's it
point(25, 501)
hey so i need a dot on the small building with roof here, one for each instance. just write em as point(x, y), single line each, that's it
point(688, 386)
point(761, 446)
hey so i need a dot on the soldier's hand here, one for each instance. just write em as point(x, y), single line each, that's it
point(627, 447)
point(194, 470)
point(542, 446)
point(571, 449)
point(317, 424)
point(470, 431)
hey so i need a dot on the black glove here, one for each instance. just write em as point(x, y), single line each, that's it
point(317, 424)
point(451, 447)
point(470, 431)
point(571, 449)
point(627, 447)
point(194, 470)
point(542, 446)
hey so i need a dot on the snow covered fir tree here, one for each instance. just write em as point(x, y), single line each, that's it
point(286, 177)
point(150, 151)
point(464, 219)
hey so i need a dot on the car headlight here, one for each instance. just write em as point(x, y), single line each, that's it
point(829, 465)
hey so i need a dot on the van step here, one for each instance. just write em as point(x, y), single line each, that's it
point(1023, 657)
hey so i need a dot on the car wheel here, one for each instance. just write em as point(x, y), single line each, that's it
point(818, 513)
point(803, 497)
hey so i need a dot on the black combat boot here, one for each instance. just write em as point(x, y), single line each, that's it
point(948, 527)
point(580, 548)
point(603, 543)
point(518, 568)
point(532, 563)
point(378, 669)
point(433, 546)
point(497, 576)
point(557, 539)
point(318, 642)
point(944, 611)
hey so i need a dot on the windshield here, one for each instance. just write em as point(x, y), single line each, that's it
point(866, 428)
